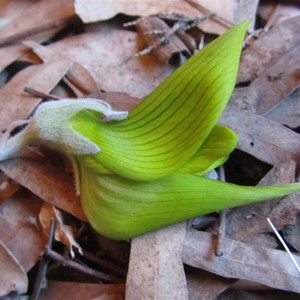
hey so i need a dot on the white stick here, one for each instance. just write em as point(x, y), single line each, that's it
point(284, 244)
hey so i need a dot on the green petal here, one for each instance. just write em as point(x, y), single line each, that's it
point(162, 133)
point(119, 208)
point(213, 153)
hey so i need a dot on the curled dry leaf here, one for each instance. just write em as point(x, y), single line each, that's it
point(267, 49)
point(13, 277)
point(40, 14)
point(241, 260)
point(154, 273)
point(20, 228)
point(63, 233)
point(42, 77)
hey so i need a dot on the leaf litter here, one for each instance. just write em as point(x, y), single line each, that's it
point(92, 63)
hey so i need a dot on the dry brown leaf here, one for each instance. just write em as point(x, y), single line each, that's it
point(248, 223)
point(291, 234)
point(270, 267)
point(79, 79)
point(63, 232)
point(9, 9)
point(155, 267)
point(15, 104)
point(41, 14)
point(114, 68)
point(274, 84)
point(20, 228)
point(48, 182)
point(231, 10)
point(76, 290)
point(204, 285)
point(287, 112)
point(13, 277)
point(267, 49)
point(262, 138)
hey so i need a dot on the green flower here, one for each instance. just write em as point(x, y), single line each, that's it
point(143, 171)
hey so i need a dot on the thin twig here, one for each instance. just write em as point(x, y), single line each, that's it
point(41, 276)
point(119, 271)
point(211, 14)
point(84, 269)
point(39, 94)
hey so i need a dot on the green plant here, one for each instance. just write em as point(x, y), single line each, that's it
point(142, 171)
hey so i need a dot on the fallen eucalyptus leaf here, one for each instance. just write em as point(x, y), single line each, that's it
point(273, 85)
point(287, 112)
point(154, 273)
point(42, 77)
point(20, 228)
point(241, 260)
point(264, 51)
point(81, 82)
point(49, 183)
point(291, 233)
point(205, 285)
point(264, 139)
